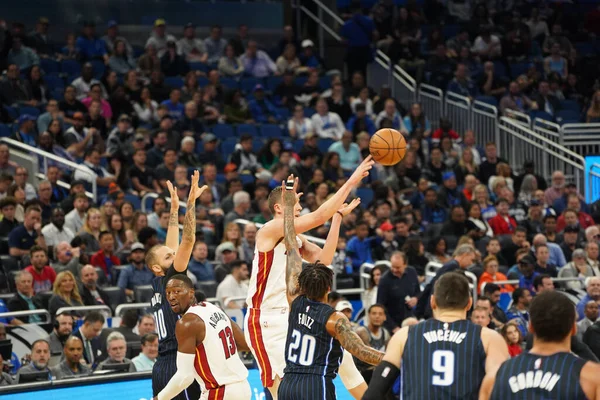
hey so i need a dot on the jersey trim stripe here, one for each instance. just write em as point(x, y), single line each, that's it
point(203, 368)
point(217, 393)
point(266, 372)
point(265, 261)
point(325, 369)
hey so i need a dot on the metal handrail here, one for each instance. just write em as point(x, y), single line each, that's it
point(16, 314)
point(323, 26)
point(49, 156)
point(84, 308)
point(473, 284)
point(433, 89)
point(65, 185)
point(333, 15)
point(405, 76)
point(458, 99)
point(516, 281)
point(481, 108)
point(121, 307)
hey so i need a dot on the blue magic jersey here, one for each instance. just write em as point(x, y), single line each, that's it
point(533, 377)
point(442, 360)
point(164, 318)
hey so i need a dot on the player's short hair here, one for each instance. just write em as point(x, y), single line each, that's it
point(315, 281)
point(274, 198)
point(183, 278)
point(451, 291)
point(376, 305)
point(151, 258)
point(552, 316)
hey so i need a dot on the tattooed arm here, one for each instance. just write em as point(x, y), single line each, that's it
point(339, 327)
point(188, 238)
point(293, 260)
point(172, 241)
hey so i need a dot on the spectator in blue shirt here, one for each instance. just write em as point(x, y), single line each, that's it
point(257, 63)
point(519, 312)
point(462, 84)
point(431, 211)
point(22, 55)
point(360, 122)
point(358, 32)
point(174, 104)
point(199, 265)
point(215, 44)
point(90, 46)
point(26, 134)
point(262, 109)
point(308, 57)
point(527, 269)
point(348, 151)
point(359, 246)
point(25, 236)
point(136, 273)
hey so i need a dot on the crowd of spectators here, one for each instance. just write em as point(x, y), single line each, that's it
point(247, 118)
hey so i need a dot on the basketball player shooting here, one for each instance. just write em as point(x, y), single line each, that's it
point(445, 357)
point(549, 370)
point(166, 261)
point(266, 321)
point(316, 331)
point(208, 344)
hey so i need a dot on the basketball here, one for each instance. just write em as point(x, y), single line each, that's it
point(387, 146)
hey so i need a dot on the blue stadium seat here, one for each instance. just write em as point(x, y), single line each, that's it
point(57, 93)
point(247, 128)
point(343, 3)
point(517, 69)
point(29, 110)
point(325, 82)
point(366, 196)
point(270, 131)
point(137, 51)
point(135, 200)
point(284, 112)
point(174, 82)
point(203, 81)
point(228, 147)
point(491, 100)
point(247, 84)
point(541, 115)
point(570, 105)
point(199, 146)
point(585, 48)
point(99, 67)
point(221, 178)
point(54, 81)
point(500, 68)
point(257, 144)
point(224, 131)
point(301, 80)
point(246, 179)
point(13, 113)
point(449, 31)
point(273, 82)
point(70, 67)
point(5, 131)
point(324, 145)
point(298, 144)
point(229, 83)
point(198, 66)
point(49, 66)
point(309, 112)
point(567, 115)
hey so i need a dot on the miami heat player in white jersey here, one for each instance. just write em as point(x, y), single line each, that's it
point(218, 368)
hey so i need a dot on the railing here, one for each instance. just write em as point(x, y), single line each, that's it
point(593, 191)
point(49, 156)
point(130, 306)
point(516, 281)
point(404, 87)
point(28, 313)
point(104, 309)
point(432, 102)
point(458, 110)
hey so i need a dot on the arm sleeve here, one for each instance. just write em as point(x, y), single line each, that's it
point(383, 379)
point(182, 378)
point(348, 372)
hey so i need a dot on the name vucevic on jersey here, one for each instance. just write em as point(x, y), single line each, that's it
point(533, 379)
point(305, 320)
point(444, 335)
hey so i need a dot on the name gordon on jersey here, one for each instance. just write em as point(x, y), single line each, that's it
point(533, 379)
point(444, 335)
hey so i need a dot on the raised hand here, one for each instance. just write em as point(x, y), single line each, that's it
point(195, 191)
point(284, 188)
point(173, 195)
point(346, 209)
point(362, 171)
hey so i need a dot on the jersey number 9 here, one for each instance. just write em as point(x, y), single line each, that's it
point(442, 362)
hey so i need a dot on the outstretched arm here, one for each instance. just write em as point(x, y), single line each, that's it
point(172, 241)
point(339, 327)
point(293, 265)
point(188, 238)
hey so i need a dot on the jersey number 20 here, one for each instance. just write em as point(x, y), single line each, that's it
point(442, 363)
point(228, 341)
point(302, 348)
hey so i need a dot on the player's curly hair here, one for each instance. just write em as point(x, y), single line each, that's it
point(315, 281)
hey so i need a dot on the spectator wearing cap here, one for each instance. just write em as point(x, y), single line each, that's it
point(159, 38)
point(243, 156)
point(21, 55)
point(502, 223)
point(261, 108)
point(527, 269)
point(570, 241)
point(90, 47)
point(191, 47)
point(92, 170)
point(215, 44)
point(171, 63)
point(257, 63)
point(174, 104)
point(112, 37)
point(328, 125)
point(386, 243)
point(26, 132)
point(360, 121)
point(136, 273)
point(91, 294)
point(121, 138)
point(79, 205)
point(210, 155)
point(308, 56)
point(348, 151)
point(577, 268)
point(225, 253)
point(449, 195)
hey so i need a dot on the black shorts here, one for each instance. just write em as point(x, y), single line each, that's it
point(305, 387)
point(164, 368)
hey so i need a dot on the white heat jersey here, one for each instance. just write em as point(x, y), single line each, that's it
point(267, 286)
point(217, 361)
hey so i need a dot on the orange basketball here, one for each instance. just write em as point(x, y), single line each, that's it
point(387, 146)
